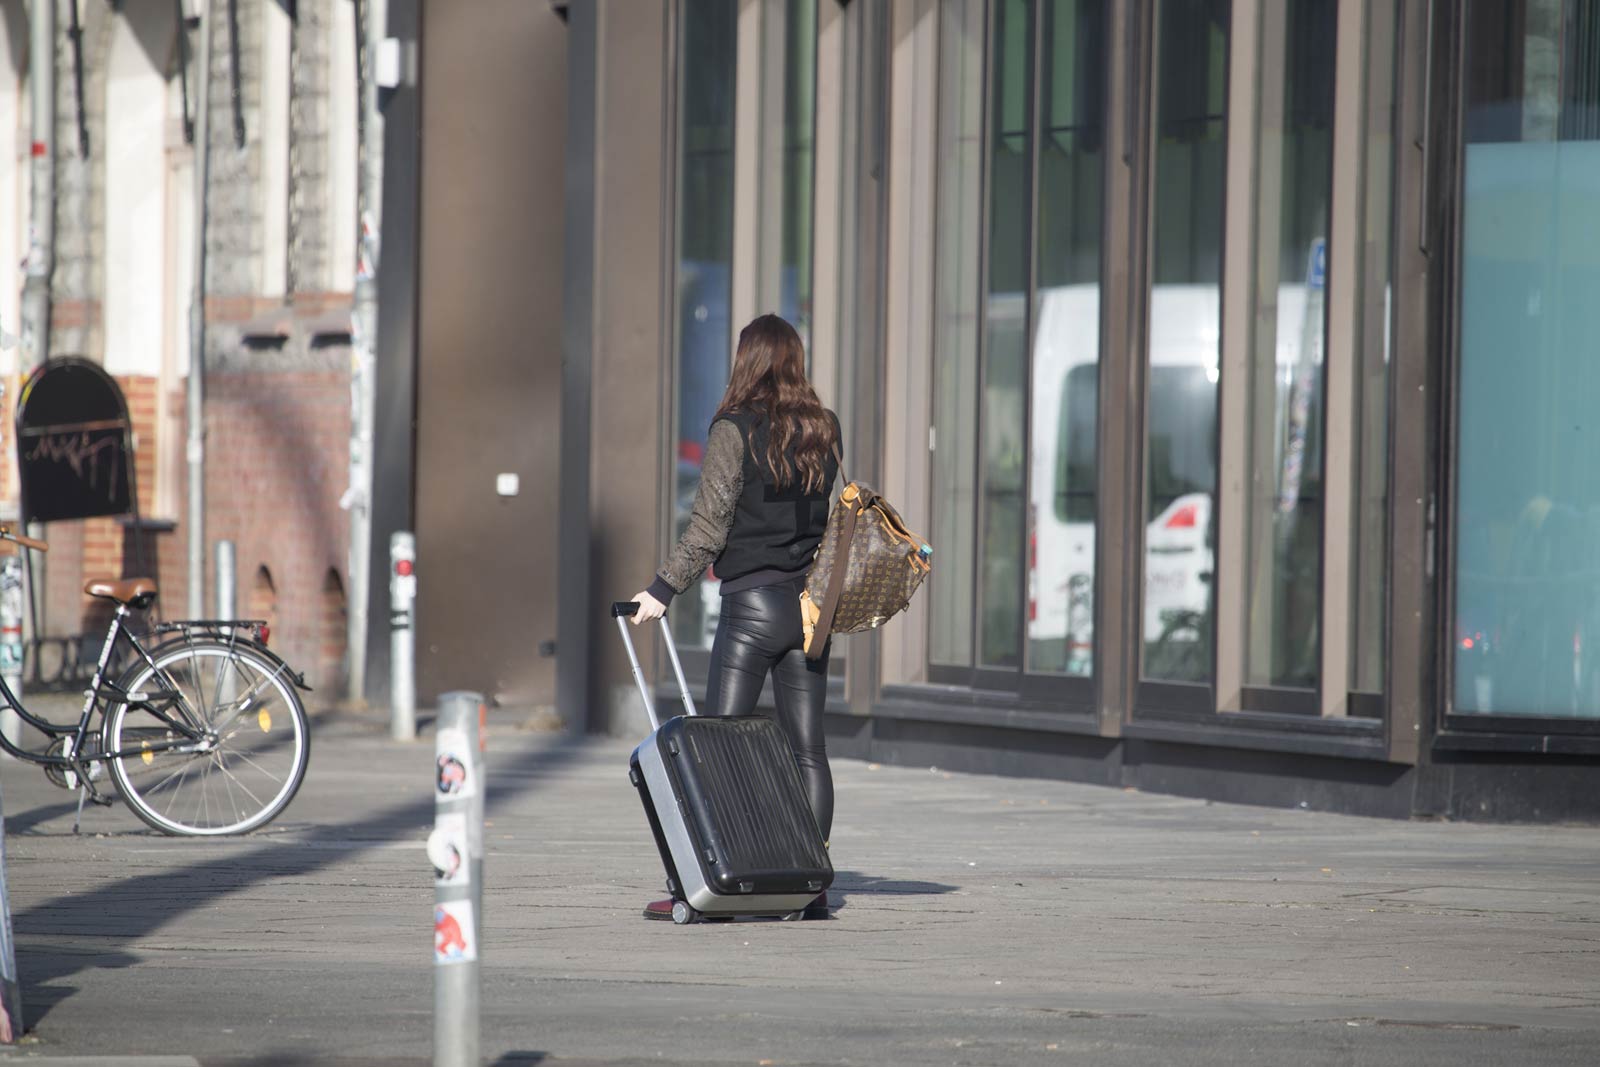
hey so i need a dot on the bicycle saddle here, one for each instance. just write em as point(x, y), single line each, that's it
point(125, 591)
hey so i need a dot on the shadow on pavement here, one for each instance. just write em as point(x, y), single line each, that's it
point(298, 1059)
point(850, 883)
point(25, 821)
point(128, 908)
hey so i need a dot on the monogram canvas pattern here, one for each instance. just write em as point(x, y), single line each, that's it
point(885, 564)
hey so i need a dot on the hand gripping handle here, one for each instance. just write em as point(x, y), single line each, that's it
point(622, 611)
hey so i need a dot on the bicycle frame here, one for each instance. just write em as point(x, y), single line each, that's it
point(100, 686)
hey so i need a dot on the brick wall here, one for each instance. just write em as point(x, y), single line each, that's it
point(278, 455)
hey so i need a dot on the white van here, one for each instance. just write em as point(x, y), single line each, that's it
point(1181, 457)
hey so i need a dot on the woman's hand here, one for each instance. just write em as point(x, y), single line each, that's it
point(650, 608)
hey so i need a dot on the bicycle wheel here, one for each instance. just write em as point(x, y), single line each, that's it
point(224, 755)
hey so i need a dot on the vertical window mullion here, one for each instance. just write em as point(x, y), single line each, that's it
point(985, 184)
point(1341, 453)
point(1240, 265)
point(1030, 230)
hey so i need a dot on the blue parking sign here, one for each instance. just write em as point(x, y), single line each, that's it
point(1317, 265)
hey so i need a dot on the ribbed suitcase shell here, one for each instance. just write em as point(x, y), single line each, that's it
point(725, 804)
point(734, 828)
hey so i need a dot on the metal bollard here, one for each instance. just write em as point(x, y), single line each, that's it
point(10, 988)
point(455, 848)
point(11, 641)
point(402, 637)
point(227, 582)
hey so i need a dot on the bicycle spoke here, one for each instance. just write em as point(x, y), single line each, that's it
point(223, 663)
point(157, 787)
point(241, 785)
point(199, 808)
point(181, 700)
point(176, 788)
point(199, 684)
point(205, 778)
point(244, 700)
point(237, 814)
point(254, 764)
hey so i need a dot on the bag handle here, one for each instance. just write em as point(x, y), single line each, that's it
point(841, 563)
point(622, 611)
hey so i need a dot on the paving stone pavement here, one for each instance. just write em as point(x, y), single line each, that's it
point(978, 920)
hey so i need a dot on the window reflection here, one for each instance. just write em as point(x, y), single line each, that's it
point(1284, 496)
point(1526, 631)
point(1005, 365)
point(1066, 345)
point(1191, 72)
point(702, 274)
point(799, 134)
point(956, 297)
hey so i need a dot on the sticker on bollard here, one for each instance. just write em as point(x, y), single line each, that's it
point(454, 940)
point(454, 776)
point(447, 850)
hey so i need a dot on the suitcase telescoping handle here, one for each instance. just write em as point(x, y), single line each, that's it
point(622, 611)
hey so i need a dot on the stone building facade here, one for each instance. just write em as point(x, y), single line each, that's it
point(280, 267)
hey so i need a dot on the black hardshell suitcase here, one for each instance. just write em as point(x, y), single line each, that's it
point(727, 807)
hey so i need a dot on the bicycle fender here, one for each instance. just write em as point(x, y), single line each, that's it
point(257, 647)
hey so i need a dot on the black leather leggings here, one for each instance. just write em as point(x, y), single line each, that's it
point(759, 633)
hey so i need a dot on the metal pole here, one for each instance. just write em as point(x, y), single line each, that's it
point(197, 331)
point(11, 642)
point(227, 582)
point(364, 343)
point(402, 636)
point(10, 989)
point(42, 198)
point(455, 848)
point(40, 262)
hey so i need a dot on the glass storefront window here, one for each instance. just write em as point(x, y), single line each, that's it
point(1191, 93)
point(702, 270)
point(1005, 359)
point(1017, 348)
point(956, 321)
point(1284, 495)
point(1063, 393)
point(1526, 631)
point(799, 164)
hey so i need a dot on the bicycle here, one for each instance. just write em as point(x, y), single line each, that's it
point(195, 720)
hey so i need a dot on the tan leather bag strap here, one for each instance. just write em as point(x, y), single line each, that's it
point(830, 599)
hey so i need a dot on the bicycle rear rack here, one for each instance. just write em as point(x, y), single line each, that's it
point(254, 630)
point(212, 627)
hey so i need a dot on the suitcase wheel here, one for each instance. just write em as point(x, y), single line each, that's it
point(683, 913)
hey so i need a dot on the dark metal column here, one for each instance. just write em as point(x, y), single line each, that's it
point(395, 405)
point(574, 595)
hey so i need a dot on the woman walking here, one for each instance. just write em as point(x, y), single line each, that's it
point(759, 514)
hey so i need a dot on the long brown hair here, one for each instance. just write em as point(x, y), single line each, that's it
point(769, 378)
